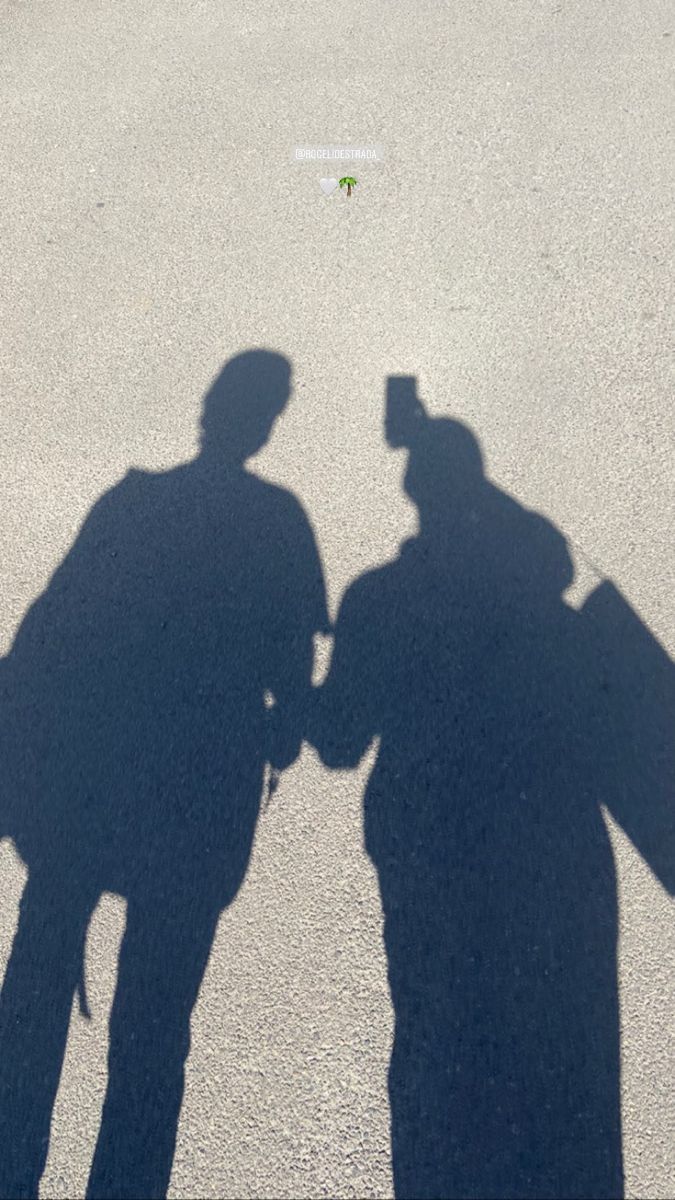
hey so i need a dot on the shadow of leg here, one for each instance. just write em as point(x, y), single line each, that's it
point(35, 1006)
point(162, 961)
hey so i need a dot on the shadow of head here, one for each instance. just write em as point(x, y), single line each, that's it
point(242, 404)
point(445, 463)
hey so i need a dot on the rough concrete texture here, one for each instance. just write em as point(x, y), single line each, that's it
point(514, 252)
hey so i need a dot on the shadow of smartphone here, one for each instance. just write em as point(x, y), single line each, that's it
point(404, 411)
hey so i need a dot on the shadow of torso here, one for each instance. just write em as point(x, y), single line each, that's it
point(135, 687)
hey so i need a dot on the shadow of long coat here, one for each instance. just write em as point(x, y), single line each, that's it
point(505, 721)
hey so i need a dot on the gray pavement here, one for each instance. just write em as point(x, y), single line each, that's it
point(514, 253)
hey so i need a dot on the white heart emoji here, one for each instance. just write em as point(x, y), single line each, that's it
point(328, 185)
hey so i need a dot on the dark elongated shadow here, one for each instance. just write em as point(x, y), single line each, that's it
point(134, 734)
point(506, 720)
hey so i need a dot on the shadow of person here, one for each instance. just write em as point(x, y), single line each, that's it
point(138, 718)
point(505, 720)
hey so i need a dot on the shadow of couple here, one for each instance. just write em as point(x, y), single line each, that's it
point(135, 728)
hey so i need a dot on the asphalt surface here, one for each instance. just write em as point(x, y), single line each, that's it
point(513, 252)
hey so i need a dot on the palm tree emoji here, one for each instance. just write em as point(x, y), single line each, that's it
point(348, 182)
